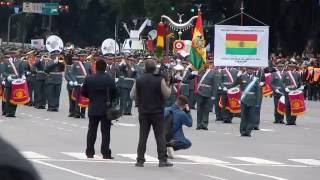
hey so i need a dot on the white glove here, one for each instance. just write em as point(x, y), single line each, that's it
point(3, 83)
point(23, 77)
point(75, 83)
point(225, 89)
point(219, 88)
point(9, 78)
point(301, 88)
point(277, 91)
point(239, 73)
point(194, 73)
point(56, 61)
point(71, 83)
point(213, 98)
point(116, 80)
point(287, 90)
point(261, 84)
point(28, 72)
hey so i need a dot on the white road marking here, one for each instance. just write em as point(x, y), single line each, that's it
point(38, 117)
point(30, 115)
point(33, 155)
point(60, 128)
point(68, 170)
point(266, 130)
point(22, 113)
point(256, 160)
point(81, 156)
point(84, 127)
point(47, 119)
point(227, 133)
point(64, 123)
point(200, 159)
point(312, 162)
point(125, 124)
point(213, 177)
point(249, 173)
point(74, 125)
point(134, 157)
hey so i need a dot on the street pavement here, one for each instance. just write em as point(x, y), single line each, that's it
point(55, 144)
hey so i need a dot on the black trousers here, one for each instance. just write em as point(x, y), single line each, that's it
point(10, 109)
point(157, 123)
point(40, 93)
point(54, 91)
point(203, 110)
point(71, 102)
point(92, 135)
point(247, 119)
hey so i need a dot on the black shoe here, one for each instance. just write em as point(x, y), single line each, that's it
point(138, 164)
point(70, 115)
point(198, 128)
point(3, 114)
point(108, 157)
point(246, 135)
point(82, 116)
point(205, 128)
point(10, 115)
point(90, 156)
point(227, 122)
point(77, 116)
point(281, 122)
point(165, 164)
point(50, 110)
point(218, 119)
point(55, 110)
point(256, 128)
point(42, 107)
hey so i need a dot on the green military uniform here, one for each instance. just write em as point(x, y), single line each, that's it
point(226, 83)
point(261, 75)
point(2, 85)
point(125, 84)
point(54, 69)
point(205, 95)
point(249, 101)
point(278, 90)
point(9, 74)
point(79, 71)
point(288, 84)
point(30, 72)
point(68, 77)
point(40, 95)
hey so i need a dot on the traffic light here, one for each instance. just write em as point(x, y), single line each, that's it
point(64, 8)
point(5, 4)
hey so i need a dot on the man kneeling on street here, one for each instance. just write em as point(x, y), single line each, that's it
point(176, 116)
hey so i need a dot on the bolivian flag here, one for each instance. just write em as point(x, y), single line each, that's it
point(198, 54)
point(241, 44)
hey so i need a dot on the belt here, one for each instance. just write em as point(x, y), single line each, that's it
point(56, 73)
point(40, 71)
point(131, 79)
point(252, 93)
point(80, 76)
point(183, 84)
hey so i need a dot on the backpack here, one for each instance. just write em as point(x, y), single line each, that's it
point(168, 122)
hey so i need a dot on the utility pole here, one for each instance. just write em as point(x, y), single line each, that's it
point(242, 9)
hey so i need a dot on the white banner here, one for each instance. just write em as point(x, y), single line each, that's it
point(37, 43)
point(245, 46)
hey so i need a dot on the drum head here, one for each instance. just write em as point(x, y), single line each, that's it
point(282, 99)
point(234, 90)
point(18, 81)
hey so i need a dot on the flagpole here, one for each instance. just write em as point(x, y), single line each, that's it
point(241, 9)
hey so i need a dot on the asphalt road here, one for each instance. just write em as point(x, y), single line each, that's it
point(55, 144)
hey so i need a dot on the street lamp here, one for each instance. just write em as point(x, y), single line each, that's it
point(9, 25)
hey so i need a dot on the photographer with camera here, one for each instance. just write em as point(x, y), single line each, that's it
point(150, 90)
point(175, 117)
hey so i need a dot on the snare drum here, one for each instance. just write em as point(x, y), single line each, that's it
point(297, 103)
point(233, 103)
point(281, 107)
point(19, 92)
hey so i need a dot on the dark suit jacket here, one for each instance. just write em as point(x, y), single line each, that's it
point(95, 88)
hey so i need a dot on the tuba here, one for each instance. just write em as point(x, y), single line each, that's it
point(109, 46)
point(54, 43)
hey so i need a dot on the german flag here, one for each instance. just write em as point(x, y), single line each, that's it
point(241, 44)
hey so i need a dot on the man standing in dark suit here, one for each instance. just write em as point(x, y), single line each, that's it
point(151, 90)
point(96, 87)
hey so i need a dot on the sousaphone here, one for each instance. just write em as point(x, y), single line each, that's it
point(54, 43)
